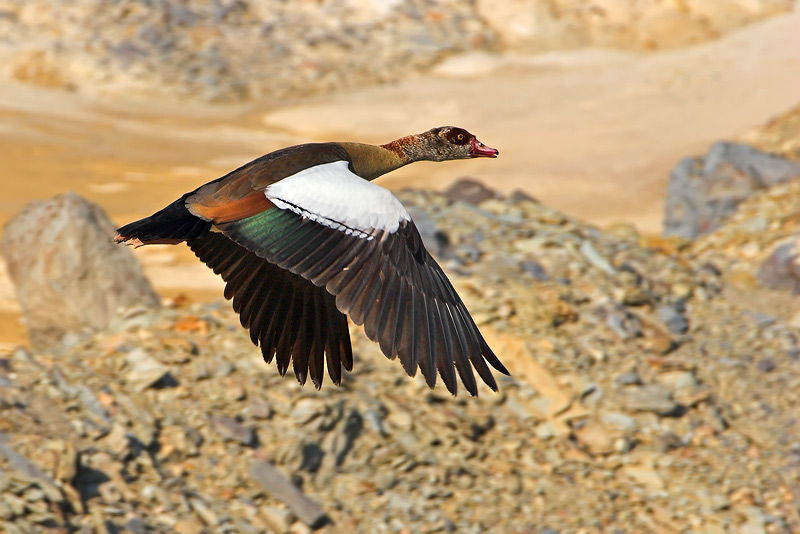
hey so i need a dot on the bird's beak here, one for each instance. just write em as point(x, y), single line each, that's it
point(479, 150)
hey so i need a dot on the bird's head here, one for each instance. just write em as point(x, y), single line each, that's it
point(450, 142)
point(441, 144)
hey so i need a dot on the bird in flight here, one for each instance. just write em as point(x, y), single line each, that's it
point(303, 239)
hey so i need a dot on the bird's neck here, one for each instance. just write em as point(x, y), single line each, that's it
point(371, 161)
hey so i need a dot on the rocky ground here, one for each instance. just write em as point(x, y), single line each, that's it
point(655, 381)
point(226, 50)
point(641, 400)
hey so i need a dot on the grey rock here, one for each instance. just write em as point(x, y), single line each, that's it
point(29, 471)
point(619, 420)
point(258, 408)
point(535, 268)
point(673, 317)
point(386, 480)
point(67, 272)
point(205, 513)
point(518, 196)
point(703, 191)
point(629, 378)
point(16, 505)
point(230, 428)
point(280, 487)
point(675, 380)
point(144, 371)
point(306, 410)
point(6, 512)
point(467, 253)
point(781, 269)
point(224, 368)
point(545, 431)
point(766, 365)
point(621, 321)
point(654, 398)
point(87, 397)
point(136, 526)
point(595, 258)
point(374, 418)
point(278, 519)
point(470, 191)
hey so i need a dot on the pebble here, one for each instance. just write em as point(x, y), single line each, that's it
point(277, 519)
point(766, 365)
point(230, 428)
point(534, 268)
point(652, 398)
point(144, 371)
point(622, 422)
point(628, 378)
point(594, 257)
point(673, 317)
point(305, 410)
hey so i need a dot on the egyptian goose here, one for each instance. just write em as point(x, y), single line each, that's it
point(302, 237)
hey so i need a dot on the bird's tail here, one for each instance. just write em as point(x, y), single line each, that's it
point(173, 224)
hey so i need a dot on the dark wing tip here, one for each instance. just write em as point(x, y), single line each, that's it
point(493, 360)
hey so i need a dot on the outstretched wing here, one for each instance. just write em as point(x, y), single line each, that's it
point(288, 316)
point(357, 241)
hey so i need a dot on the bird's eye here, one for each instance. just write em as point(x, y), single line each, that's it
point(460, 137)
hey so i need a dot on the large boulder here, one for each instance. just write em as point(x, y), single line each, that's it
point(68, 274)
point(704, 190)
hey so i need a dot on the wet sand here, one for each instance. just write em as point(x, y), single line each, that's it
point(593, 133)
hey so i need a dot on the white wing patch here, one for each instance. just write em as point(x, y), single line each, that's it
point(332, 195)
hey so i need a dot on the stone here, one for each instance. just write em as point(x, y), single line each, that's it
point(619, 421)
point(652, 398)
point(188, 526)
point(594, 438)
point(230, 428)
point(279, 486)
point(306, 410)
point(766, 365)
point(673, 317)
point(675, 380)
point(781, 268)
point(470, 191)
point(595, 258)
point(204, 512)
point(258, 408)
point(68, 274)
point(136, 526)
point(545, 431)
point(144, 371)
point(704, 191)
point(628, 378)
point(535, 269)
point(645, 476)
point(277, 519)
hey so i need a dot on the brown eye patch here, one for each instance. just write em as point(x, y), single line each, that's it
point(458, 136)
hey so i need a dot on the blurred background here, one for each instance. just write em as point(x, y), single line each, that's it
point(608, 233)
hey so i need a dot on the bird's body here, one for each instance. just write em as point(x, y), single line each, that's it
point(302, 237)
